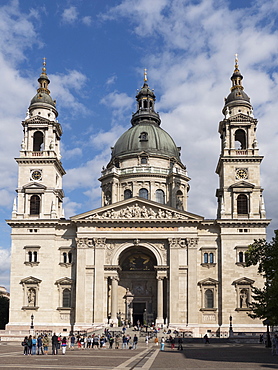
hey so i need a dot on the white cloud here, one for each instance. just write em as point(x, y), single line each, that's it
point(111, 80)
point(63, 87)
point(190, 69)
point(5, 257)
point(70, 15)
point(87, 20)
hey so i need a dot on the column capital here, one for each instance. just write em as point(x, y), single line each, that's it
point(192, 242)
point(83, 243)
point(176, 243)
point(100, 243)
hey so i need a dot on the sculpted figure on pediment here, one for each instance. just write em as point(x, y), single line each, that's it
point(137, 212)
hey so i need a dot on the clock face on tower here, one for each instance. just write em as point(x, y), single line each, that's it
point(241, 174)
point(36, 175)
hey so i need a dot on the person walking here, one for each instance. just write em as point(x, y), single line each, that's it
point(29, 343)
point(111, 342)
point(25, 346)
point(135, 341)
point(117, 342)
point(39, 345)
point(45, 343)
point(180, 341)
point(34, 345)
point(55, 344)
point(162, 344)
point(64, 345)
point(125, 341)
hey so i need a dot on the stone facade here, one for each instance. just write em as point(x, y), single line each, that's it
point(141, 256)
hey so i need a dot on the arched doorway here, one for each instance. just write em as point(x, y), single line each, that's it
point(138, 285)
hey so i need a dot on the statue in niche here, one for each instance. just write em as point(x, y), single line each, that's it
point(31, 296)
point(107, 198)
point(243, 298)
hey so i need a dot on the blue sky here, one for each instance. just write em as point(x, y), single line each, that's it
point(96, 54)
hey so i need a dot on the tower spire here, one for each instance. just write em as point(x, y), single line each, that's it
point(43, 79)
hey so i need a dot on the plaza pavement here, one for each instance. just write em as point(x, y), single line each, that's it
point(194, 356)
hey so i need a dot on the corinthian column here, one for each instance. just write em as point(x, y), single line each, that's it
point(159, 319)
point(114, 299)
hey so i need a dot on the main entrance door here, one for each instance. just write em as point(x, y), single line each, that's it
point(138, 313)
point(138, 278)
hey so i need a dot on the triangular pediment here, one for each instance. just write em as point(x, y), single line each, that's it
point(64, 281)
point(30, 280)
point(242, 184)
point(34, 185)
point(208, 281)
point(243, 281)
point(37, 120)
point(242, 118)
point(137, 209)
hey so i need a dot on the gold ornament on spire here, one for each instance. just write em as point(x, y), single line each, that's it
point(145, 75)
point(44, 65)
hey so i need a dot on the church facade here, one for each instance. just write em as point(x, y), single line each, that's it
point(142, 256)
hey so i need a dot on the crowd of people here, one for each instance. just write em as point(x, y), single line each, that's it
point(39, 345)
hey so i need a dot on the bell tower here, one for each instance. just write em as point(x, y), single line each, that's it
point(240, 193)
point(40, 170)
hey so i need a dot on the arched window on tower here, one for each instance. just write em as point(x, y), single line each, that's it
point(242, 204)
point(35, 205)
point(179, 200)
point(127, 194)
point(240, 139)
point(66, 298)
point(145, 104)
point(160, 196)
point(143, 193)
point(38, 141)
point(209, 298)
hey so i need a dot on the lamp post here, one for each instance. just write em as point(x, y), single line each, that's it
point(231, 326)
point(32, 322)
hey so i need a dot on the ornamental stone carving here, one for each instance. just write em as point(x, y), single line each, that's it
point(109, 251)
point(177, 243)
point(83, 243)
point(192, 242)
point(136, 211)
point(100, 243)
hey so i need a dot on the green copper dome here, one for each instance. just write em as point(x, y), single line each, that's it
point(43, 99)
point(147, 137)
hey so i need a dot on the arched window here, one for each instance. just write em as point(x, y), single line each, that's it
point(145, 104)
point(35, 204)
point(38, 141)
point(127, 194)
point(65, 257)
point(160, 196)
point(179, 200)
point(66, 297)
point(70, 257)
point(29, 256)
point(144, 160)
point(35, 256)
point(143, 193)
point(242, 204)
point(143, 136)
point(240, 139)
point(240, 257)
point(205, 257)
point(209, 298)
point(211, 258)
